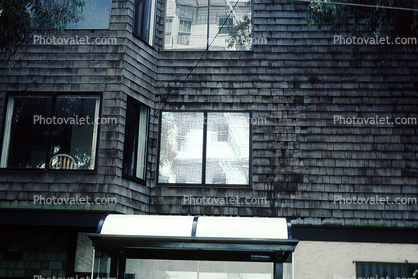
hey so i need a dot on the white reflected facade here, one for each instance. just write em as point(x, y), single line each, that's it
point(188, 22)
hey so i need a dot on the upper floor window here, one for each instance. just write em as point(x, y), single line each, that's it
point(220, 24)
point(144, 17)
point(50, 131)
point(205, 148)
point(95, 15)
point(136, 135)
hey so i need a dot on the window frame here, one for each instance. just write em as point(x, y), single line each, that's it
point(204, 149)
point(134, 176)
point(49, 154)
point(138, 33)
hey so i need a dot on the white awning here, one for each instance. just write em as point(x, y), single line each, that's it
point(195, 237)
point(189, 226)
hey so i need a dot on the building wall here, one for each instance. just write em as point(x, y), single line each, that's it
point(336, 260)
point(299, 81)
point(28, 251)
point(117, 71)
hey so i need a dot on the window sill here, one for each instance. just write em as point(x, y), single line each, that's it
point(135, 179)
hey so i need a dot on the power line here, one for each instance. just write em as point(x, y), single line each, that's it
point(360, 5)
point(197, 63)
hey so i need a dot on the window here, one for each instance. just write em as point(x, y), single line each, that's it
point(204, 148)
point(185, 26)
point(38, 127)
point(386, 270)
point(227, 24)
point(95, 15)
point(136, 134)
point(143, 25)
point(223, 24)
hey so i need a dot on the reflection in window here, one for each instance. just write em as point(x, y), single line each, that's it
point(143, 24)
point(95, 15)
point(229, 24)
point(167, 269)
point(40, 127)
point(185, 26)
point(204, 148)
point(136, 133)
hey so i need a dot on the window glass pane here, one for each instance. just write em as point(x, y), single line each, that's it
point(229, 22)
point(131, 137)
point(227, 155)
point(144, 13)
point(181, 147)
point(73, 136)
point(102, 264)
point(189, 24)
point(25, 139)
point(96, 15)
point(139, 18)
point(233, 25)
point(136, 134)
point(170, 269)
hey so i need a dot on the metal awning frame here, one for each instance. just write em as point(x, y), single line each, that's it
point(121, 247)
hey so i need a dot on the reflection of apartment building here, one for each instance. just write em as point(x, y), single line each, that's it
point(179, 124)
point(197, 24)
point(205, 148)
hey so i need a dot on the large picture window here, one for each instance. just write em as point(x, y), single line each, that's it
point(219, 24)
point(204, 148)
point(143, 25)
point(50, 131)
point(136, 134)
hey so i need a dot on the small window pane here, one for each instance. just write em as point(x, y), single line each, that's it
point(95, 15)
point(143, 25)
point(229, 24)
point(189, 24)
point(136, 134)
point(181, 148)
point(25, 140)
point(227, 155)
point(233, 25)
point(76, 139)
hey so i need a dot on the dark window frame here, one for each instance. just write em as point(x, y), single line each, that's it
point(49, 155)
point(134, 176)
point(204, 147)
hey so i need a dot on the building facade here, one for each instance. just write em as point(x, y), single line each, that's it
point(282, 125)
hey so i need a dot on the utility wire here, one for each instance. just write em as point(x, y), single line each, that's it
point(310, 1)
point(360, 5)
point(197, 63)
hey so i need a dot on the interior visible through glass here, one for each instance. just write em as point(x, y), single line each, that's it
point(77, 140)
point(25, 143)
point(170, 269)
